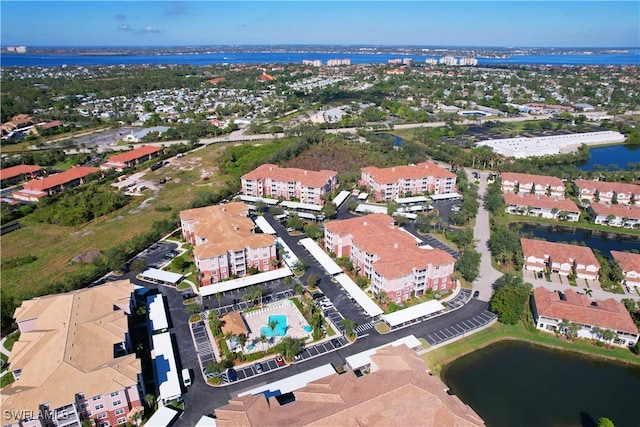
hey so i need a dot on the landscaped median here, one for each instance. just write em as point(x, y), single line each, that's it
point(437, 358)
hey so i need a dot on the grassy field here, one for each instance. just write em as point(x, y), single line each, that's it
point(54, 246)
point(440, 357)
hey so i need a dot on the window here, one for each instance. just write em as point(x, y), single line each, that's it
point(119, 411)
point(94, 398)
point(117, 403)
point(102, 416)
point(122, 420)
point(104, 424)
point(83, 405)
point(115, 394)
point(100, 406)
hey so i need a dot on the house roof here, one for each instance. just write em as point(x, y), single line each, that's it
point(51, 124)
point(628, 261)
point(234, 323)
point(621, 211)
point(18, 170)
point(307, 178)
point(396, 252)
point(134, 154)
point(396, 173)
point(605, 187)
point(70, 348)
point(224, 227)
point(52, 181)
point(544, 202)
point(558, 252)
point(398, 392)
point(21, 119)
point(525, 178)
point(609, 313)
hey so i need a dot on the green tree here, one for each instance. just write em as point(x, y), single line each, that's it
point(289, 347)
point(469, 265)
point(313, 231)
point(605, 422)
point(215, 323)
point(329, 209)
point(138, 265)
point(509, 299)
point(349, 327)
point(299, 267)
point(179, 263)
point(150, 400)
point(312, 281)
point(294, 221)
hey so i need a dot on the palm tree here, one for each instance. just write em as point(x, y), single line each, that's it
point(150, 400)
point(263, 340)
point(596, 332)
point(219, 298)
point(273, 324)
point(349, 327)
point(609, 336)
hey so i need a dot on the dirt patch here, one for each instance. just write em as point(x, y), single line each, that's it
point(87, 257)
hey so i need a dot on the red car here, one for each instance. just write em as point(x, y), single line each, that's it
point(279, 361)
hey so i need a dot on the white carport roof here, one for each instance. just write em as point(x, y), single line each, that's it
point(245, 281)
point(292, 383)
point(340, 198)
point(161, 275)
point(445, 196)
point(359, 295)
point(361, 359)
point(297, 205)
point(264, 225)
point(157, 313)
point(325, 260)
point(362, 207)
point(414, 312)
point(166, 373)
point(414, 199)
point(163, 417)
point(253, 199)
point(206, 421)
point(305, 215)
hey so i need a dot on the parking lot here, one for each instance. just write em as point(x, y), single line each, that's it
point(460, 328)
point(203, 344)
point(269, 365)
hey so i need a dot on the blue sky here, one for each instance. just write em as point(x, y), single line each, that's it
point(428, 23)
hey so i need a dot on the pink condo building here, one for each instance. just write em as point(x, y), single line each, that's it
point(398, 181)
point(225, 242)
point(389, 257)
point(539, 185)
point(289, 183)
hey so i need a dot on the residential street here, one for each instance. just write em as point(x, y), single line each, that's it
point(481, 233)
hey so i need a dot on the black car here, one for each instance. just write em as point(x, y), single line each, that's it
point(188, 296)
point(476, 294)
point(336, 343)
point(232, 375)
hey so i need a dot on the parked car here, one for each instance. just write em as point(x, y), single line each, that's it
point(258, 368)
point(476, 294)
point(279, 361)
point(336, 343)
point(186, 377)
point(232, 375)
point(291, 230)
point(630, 289)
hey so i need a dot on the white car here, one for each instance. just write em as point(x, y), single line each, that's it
point(630, 290)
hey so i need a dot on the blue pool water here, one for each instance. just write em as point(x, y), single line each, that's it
point(281, 327)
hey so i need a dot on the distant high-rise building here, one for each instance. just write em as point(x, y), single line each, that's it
point(431, 61)
point(312, 62)
point(336, 62)
point(408, 61)
point(395, 61)
point(448, 60)
point(468, 60)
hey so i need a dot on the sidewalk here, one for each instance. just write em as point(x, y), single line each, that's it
point(3, 349)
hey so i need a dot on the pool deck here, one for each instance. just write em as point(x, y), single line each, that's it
point(258, 318)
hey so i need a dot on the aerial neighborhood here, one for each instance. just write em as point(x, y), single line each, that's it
point(304, 244)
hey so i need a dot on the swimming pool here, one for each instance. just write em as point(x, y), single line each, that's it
point(280, 329)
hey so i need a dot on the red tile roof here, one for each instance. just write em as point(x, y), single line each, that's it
point(52, 124)
point(18, 170)
point(307, 178)
point(397, 252)
point(605, 187)
point(394, 174)
point(609, 313)
point(620, 211)
point(216, 80)
point(558, 252)
point(540, 202)
point(627, 261)
point(52, 181)
point(525, 178)
point(134, 154)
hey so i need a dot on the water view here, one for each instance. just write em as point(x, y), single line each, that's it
point(518, 384)
point(612, 157)
point(604, 242)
